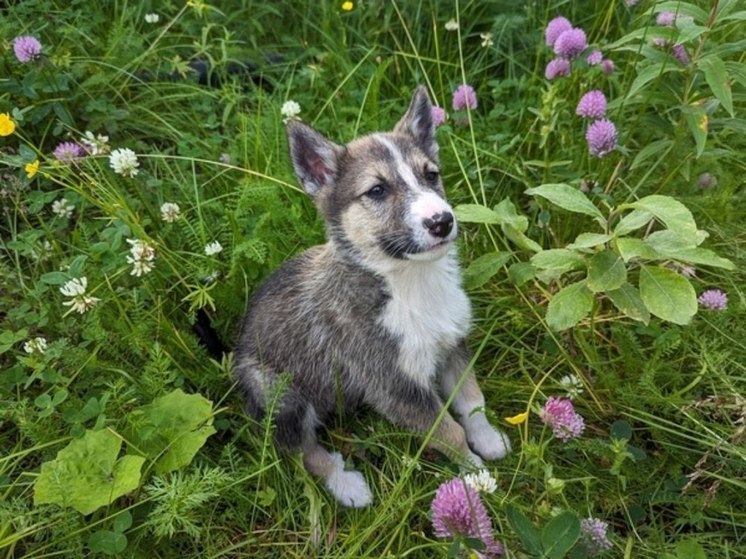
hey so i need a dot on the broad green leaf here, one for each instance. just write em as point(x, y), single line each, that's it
point(54, 278)
point(483, 268)
point(589, 240)
point(474, 213)
point(569, 306)
point(521, 272)
point(690, 549)
point(566, 197)
point(702, 256)
point(86, 474)
point(647, 75)
point(670, 242)
point(682, 8)
point(560, 534)
point(627, 299)
point(560, 259)
point(621, 429)
point(667, 294)
point(171, 429)
point(717, 78)
point(519, 239)
point(527, 532)
point(507, 213)
point(670, 211)
point(8, 338)
point(698, 123)
point(107, 542)
point(631, 248)
point(606, 272)
point(632, 222)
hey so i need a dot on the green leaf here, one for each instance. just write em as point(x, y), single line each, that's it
point(566, 197)
point(650, 150)
point(474, 213)
point(569, 306)
point(702, 256)
point(519, 239)
point(606, 272)
point(560, 534)
point(648, 74)
point(621, 429)
point(171, 429)
point(507, 213)
point(9, 338)
point(589, 240)
point(122, 521)
point(54, 278)
point(86, 474)
point(527, 532)
point(717, 78)
point(107, 542)
point(675, 215)
point(690, 549)
point(483, 268)
point(630, 248)
point(667, 294)
point(521, 272)
point(632, 222)
point(698, 123)
point(627, 299)
point(670, 242)
point(560, 259)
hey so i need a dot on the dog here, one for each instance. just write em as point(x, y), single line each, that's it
point(377, 315)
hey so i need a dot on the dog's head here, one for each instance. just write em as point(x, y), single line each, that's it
point(381, 195)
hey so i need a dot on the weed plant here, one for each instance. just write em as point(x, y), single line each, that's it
point(145, 187)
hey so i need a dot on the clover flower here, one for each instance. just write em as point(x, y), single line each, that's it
point(570, 43)
point(573, 386)
point(26, 48)
point(594, 58)
point(224, 158)
point(463, 97)
point(561, 416)
point(76, 289)
point(7, 126)
point(556, 68)
point(607, 66)
point(95, 144)
point(707, 180)
point(458, 512)
point(124, 162)
point(439, 116)
point(62, 208)
point(170, 212)
point(592, 105)
point(593, 534)
point(451, 25)
point(486, 39)
point(67, 152)
point(714, 299)
point(152, 18)
point(601, 136)
point(680, 54)
point(290, 110)
point(666, 19)
point(555, 28)
point(35, 345)
point(141, 257)
point(213, 248)
point(482, 481)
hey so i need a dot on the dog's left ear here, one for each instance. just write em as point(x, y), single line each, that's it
point(417, 122)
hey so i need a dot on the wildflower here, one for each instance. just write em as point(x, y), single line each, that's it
point(69, 151)
point(141, 257)
point(680, 54)
point(213, 248)
point(601, 136)
point(556, 68)
point(482, 481)
point(42, 250)
point(561, 416)
point(76, 288)
point(714, 299)
point(95, 144)
point(31, 169)
point(35, 345)
point(439, 116)
point(26, 48)
point(124, 162)
point(225, 158)
point(572, 385)
point(347, 6)
point(170, 212)
point(290, 110)
point(570, 43)
point(687, 271)
point(592, 105)
point(458, 512)
point(152, 18)
point(707, 180)
point(463, 97)
point(7, 126)
point(607, 66)
point(666, 19)
point(594, 58)
point(632, 3)
point(593, 534)
point(555, 28)
point(451, 25)
point(62, 208)
point(517, 419)
point(486, 39)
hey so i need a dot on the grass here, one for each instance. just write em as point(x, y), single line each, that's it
point(662, 458)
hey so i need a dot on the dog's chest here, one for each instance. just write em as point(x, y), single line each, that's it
point(428, 313)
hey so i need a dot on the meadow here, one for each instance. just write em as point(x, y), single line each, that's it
point(596, 166)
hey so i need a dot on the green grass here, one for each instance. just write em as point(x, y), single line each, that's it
point(674, 489)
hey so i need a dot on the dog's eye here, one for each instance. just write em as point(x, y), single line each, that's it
point(430, 175)
point(377, 192)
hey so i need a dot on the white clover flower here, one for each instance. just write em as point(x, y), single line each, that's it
point(152, 18)
point(572, 385)
point(225, 158)
point(95, 144)
point(290, 110)
point(451, 25)
point(213, 248)
point(482, 481)
point(486, 39)
point(170, 212)
point(35, 345)
point(42, 250)
point(141, 257)
point(62, 208)
point(124, 162)
point(80, 302)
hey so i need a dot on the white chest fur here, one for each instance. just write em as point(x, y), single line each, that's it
point(428, 312)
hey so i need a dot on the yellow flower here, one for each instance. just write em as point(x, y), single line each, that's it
point(517, 419)
point(32, 168)
point(347, 6)
point(7, 126)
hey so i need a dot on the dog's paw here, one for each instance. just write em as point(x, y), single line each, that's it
point(348, 487)
point(489, 442)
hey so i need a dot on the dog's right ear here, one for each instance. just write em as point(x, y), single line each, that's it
point(315, 158)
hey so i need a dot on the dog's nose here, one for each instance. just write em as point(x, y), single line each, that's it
point(440, 225)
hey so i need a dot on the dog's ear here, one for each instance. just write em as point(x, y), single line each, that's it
point(315, 158)
point(417, 122)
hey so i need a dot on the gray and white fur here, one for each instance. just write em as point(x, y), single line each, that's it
point(375, 316)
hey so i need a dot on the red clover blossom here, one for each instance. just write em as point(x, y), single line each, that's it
point(556, 68)
point(555, 28)
point(601, 136)
point(593, 533)
point(571, 43)
point(714, 299)
point(561, 416)
point(464, 96)
point(592, 105)
point(26, 48)
point(69, 151)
